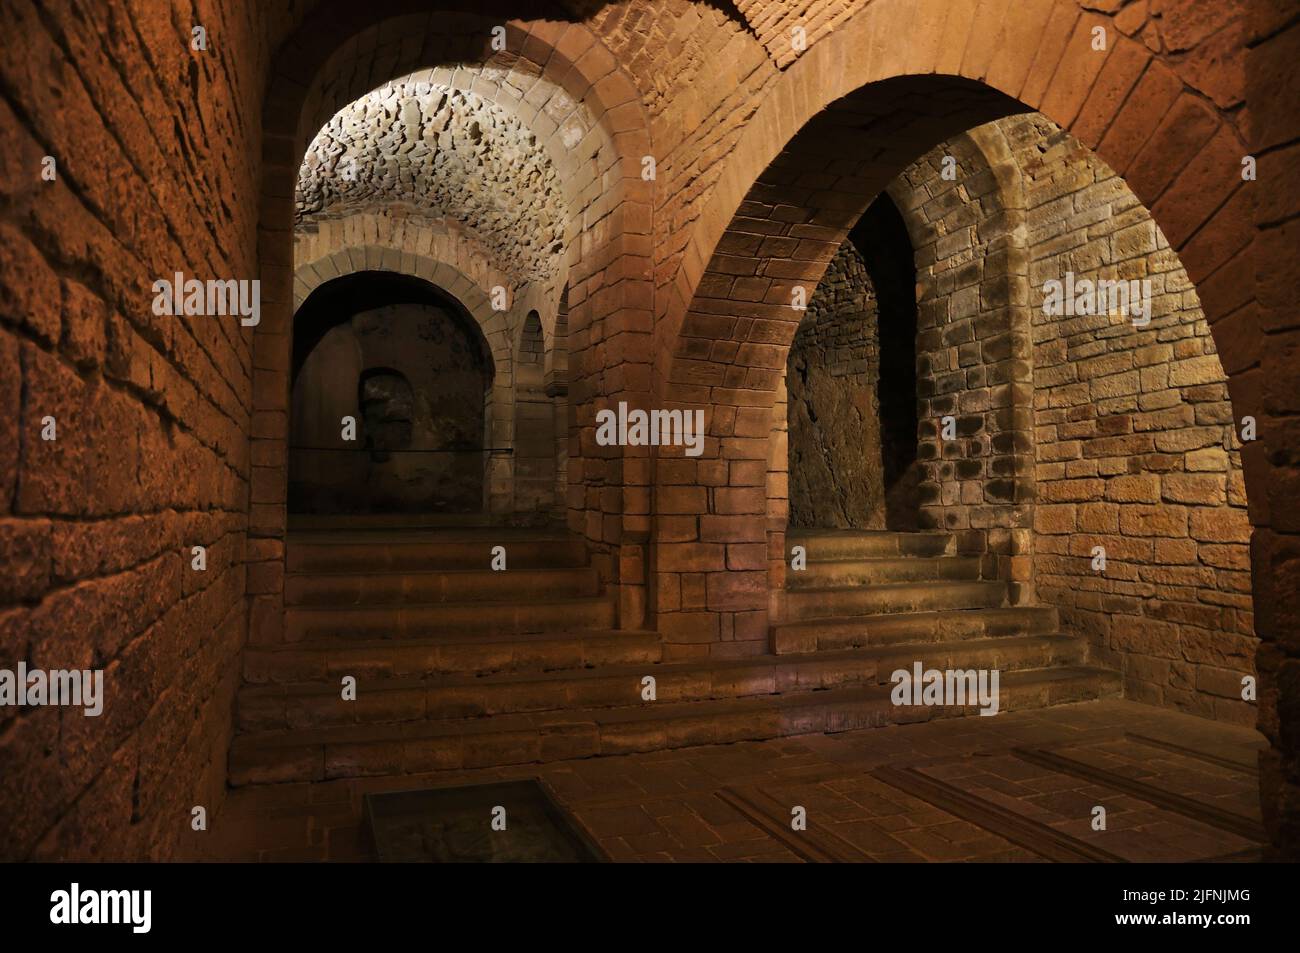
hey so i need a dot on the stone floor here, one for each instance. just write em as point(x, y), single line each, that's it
point(1018, 787)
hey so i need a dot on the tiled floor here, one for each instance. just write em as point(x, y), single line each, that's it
point(1019, 787)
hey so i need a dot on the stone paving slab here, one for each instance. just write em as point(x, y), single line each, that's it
point(733, 802)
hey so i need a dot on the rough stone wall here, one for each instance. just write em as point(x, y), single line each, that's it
point(836, 476)
point(439, 464)
point(973, 351)
point(156, 149)
point(1136, 444)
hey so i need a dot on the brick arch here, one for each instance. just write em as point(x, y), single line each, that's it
point(499, 399)
point(446, 277)
point(368, 44)
point(783, 203)
point(551, 71)
point(732, 347)
point(993, 401)
point(791, 191)
point(1127, 104)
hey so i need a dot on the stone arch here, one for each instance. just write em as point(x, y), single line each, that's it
point(881, 88)
point(411, 235)
point(530, 339)
point(548, 66)
point(448, 277)
point(499, 400)
point(535, 423)
point(787, 198)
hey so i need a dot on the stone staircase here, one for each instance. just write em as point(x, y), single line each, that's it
point(458, 666)
point(863, 589)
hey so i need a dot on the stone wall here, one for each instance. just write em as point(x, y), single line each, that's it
point(156, 151)
point(1137, 446)
point(961, 203)
point(836, 474)
point(436, 465)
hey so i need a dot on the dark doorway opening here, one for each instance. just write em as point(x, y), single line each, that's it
point(881, 236)
point(388, 409)
point(852, 385)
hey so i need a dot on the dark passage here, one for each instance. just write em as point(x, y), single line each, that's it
point(851, 383)
point(410, 368)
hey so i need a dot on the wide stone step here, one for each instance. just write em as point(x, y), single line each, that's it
point(382, 699)
point(451, 654)
point(416, 551)
point(402, 621)
point(804, 604)
point(399, 588)
point(415, 747)
point(838, 573)
point(851, 632)
point(388, 521)
point(868, 544)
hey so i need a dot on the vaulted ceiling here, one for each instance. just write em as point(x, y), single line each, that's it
point(441, 152)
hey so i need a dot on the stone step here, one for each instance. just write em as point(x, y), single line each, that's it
point(408, 748)
point(803, 604)
point(838, 573)
point(387, 521)
point(482, 654)
point(390, 699)
point(851, 632)
point(401, 588)
point(403, 621)
point(868, 544)
point(417, 551)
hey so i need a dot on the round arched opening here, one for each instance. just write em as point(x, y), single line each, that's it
point(390, 377)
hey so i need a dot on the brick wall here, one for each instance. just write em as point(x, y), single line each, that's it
point(1137, 449)
point(1258, 298)
point(151, 141)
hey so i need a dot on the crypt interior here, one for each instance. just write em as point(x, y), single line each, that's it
point(835, 231)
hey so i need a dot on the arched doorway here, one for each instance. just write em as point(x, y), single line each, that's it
point(983, 268)
point(391, 380)
point(851, 386)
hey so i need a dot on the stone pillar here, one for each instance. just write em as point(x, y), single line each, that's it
point(499, 482)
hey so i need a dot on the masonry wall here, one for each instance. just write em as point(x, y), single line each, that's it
point(437, 463)
point(151, 142)
point(836, 477)
point(1137, 448)
point(975, 436)
point(535, 431)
